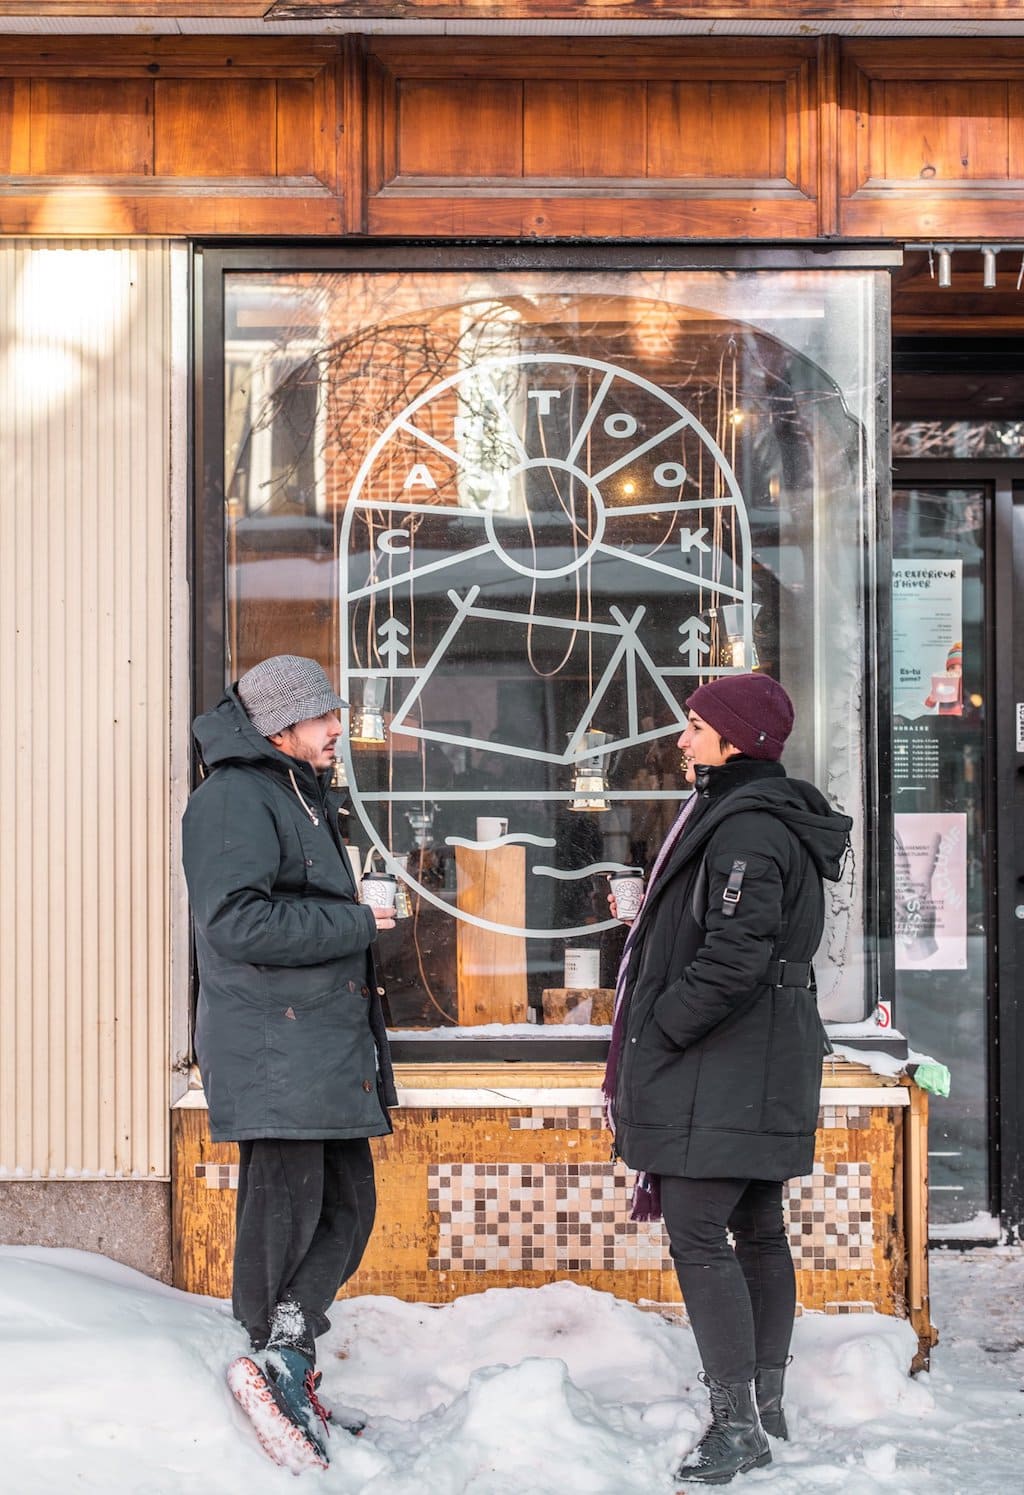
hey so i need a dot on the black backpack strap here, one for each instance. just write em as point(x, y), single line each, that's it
point(733, 890)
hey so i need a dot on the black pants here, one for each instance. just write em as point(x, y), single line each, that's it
point(303, 1217)
point(740, 1302)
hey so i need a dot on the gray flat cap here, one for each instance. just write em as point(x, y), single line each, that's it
point(286, 689)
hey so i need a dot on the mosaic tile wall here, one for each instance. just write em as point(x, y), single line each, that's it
point(575, 1217)
point(513, 1217)
point(218, 1175)
point(471, 1199)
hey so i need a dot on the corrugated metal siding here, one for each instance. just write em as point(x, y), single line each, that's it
point(84, 697)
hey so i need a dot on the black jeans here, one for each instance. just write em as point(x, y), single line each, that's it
point(303, 1217)
point(740, 1302)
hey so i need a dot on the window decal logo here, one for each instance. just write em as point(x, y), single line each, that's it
point(486, 499)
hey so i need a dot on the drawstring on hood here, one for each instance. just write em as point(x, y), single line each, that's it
point(314, 817)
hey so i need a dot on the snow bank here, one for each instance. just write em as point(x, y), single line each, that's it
point(115, 1384)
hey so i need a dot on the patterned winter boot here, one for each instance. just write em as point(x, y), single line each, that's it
point(734, 1443)
point(289, 1422)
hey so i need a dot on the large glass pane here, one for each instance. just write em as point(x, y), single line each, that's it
point(942, 832)
point(520, 516)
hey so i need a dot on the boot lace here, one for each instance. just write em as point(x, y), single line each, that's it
point(311, 1385)
point(715, 1441)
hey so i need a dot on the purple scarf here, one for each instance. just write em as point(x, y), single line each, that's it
point(647, 1190)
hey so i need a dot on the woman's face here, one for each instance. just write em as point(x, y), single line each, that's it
point(701, 744)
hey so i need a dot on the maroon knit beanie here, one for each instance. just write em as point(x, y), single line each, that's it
point(753, 712)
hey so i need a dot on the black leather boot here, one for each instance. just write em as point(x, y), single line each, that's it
point(768, 1384)
point(735, 1441)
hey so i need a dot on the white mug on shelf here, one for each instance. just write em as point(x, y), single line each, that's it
point(490, 827)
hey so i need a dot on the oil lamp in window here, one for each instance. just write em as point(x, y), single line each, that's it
point(734, 650)
point(590, 783)
point(368, 718)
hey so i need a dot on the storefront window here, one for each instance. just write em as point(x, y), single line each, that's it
point(520, 516)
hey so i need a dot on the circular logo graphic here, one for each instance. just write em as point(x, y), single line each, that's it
point(530, 553)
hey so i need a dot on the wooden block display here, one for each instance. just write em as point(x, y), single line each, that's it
point(561, 1001)
point(491, 967)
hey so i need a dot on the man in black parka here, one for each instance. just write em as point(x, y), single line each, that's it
point(715, 1064)
point(290, 1032)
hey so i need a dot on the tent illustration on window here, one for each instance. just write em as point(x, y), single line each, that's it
point(629, 662)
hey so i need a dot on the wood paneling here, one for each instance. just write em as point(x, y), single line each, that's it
point(787, 138)
point(605, 10)
point(170, 135)
point(217, 127)
point(472, 130)
point(79, 125)
point(932, 138)
point(296, 126)
point(717, 130)
point(15, 113)
point(947, 131)
point(574, 130)
point(586, 139)
point(506, 10)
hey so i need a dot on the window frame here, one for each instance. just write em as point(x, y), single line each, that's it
point(212, 261)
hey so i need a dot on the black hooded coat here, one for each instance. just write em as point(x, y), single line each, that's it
point(720, 1073)
point(290, 1031)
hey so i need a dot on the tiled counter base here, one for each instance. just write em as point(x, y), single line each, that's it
point(496, 1181)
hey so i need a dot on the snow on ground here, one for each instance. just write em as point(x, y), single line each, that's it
point(113, 1383)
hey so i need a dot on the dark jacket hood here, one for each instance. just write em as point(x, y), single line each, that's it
point(744, 784)
point(226, 735)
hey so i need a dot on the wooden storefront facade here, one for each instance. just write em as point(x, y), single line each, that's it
point(768, 138)
point(802, 131)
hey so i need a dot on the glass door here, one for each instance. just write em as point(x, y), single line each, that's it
point(944, 857)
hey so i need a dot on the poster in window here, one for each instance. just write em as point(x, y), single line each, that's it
point(927, 638)
point(931, 892)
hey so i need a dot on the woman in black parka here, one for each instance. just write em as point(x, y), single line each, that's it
point(715, 1064)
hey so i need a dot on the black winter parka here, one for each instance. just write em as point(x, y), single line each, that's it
point(290, 1031)
point(721, 1069)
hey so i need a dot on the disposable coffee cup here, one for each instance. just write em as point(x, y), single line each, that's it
point(582, 969)
point(380, 889)
point(490, 827)
point(628, 892)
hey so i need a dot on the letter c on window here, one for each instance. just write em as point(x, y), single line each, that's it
point(394, 541)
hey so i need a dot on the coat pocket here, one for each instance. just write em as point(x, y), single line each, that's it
point(734, 1058)
point(662, 1078)
point(792, 1083)
point(322, 1061)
